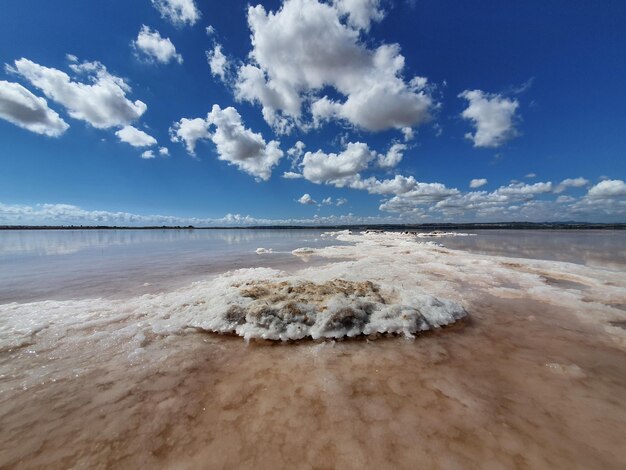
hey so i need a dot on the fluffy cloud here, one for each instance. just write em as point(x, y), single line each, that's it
point(306, 199)
point(477, 183)
point(178, 12)
point(493, 117)
point(360, 13)
point(189, 132)
point(341, 201)
point(290, 175)
point(152, 46)
point(164, 151)
point(135, 137)
point(393, 156)
point(608, 189)
point(147, 155)
point(421, 194)
point(20, 107)
point(320, 167)
point(217, 62)
point(100, 102)
point(571, 183)
point(235, 144)
point(306, 46)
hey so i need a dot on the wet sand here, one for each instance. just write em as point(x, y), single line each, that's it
point(524, 382)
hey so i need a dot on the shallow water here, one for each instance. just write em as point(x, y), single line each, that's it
point(65, 264)
point(601, 248)
point(535, 377)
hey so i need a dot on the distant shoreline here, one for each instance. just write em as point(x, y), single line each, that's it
point(393, 227)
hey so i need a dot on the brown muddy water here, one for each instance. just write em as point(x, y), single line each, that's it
point(533, 377)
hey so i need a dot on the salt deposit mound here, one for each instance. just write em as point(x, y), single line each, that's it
point(292, 310)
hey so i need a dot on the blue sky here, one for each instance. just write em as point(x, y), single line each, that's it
point(398, 107)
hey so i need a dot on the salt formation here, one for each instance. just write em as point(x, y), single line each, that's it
point(290, 310)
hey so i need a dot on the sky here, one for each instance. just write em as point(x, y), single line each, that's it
point(203, 112)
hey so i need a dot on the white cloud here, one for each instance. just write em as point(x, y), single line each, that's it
point(154, 47)
point(296, 152)
point(571, 183)
point(493, 117)
point(608, 189)
point(101, 102)
point(320, 167)
point(217, 62)
point(524, 190)
point(20, 107)
point(306, 46)
point(67, 214)
point(393, 156)
point(290, 175)
point(209, 30)
point(147, 155)
point(408, 133)
point(477, 183)
point(235, 144)
point(164, 151)
point(341, 201)
point(306, 199)
point(189, 132)
point(398, 185)
point(135, 137)
point(530, 175)
point(327, 201)
point(360, 13)
point(178, 12)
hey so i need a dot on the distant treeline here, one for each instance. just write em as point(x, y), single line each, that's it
point(390, 227)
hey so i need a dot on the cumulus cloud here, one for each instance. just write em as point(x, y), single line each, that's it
point(421, 194)
point(290, 175)
point(135, 137)
point(392, 157)
point(477, 183)
point(217, 62)
point(408, 133)
point(306, 199)
point(493, 117)
point(320, 167)
point(360, 13)
point(22, 108)
point(307, 46)
point(147, 155)
point(341, 201)
point(164, 151)
point(178, 12)
point(235, 144)
point(101, 102)
point(296, 152)
point(608, 189)
point(150, 45)
point(189, 132)
point(571, 183)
